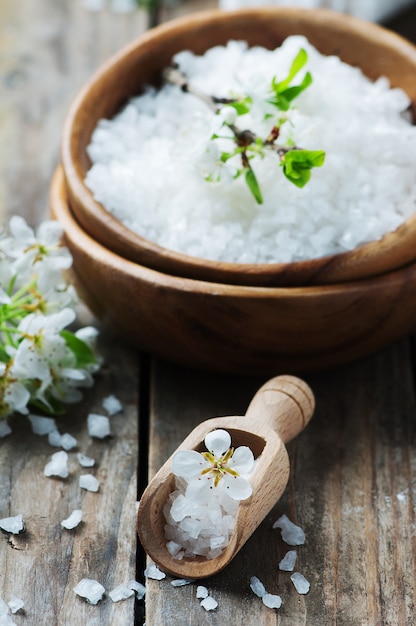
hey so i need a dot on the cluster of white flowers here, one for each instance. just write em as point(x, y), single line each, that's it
point(42, 364)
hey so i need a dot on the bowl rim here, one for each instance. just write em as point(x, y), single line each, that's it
point(67, 219)
point(369, 259)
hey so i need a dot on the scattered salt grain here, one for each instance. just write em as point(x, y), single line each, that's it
point(66, 441)
point(292, 534)
point(89, 482)
point(42, 425)
point(152, 571)
point(58, 465)
point(122, 592)
point(302, 585)
point(73, 520)
point(112, 405)
point(201, 592)
point(257, 587)
point(14, 525)
point(15, 604)
point(272, 601)
point(287, 564)
point(98, 425)
point(85, 461)
point(90, 589)
point(209, 603)
point(180, 582)
point(138, 588)
point(4, 429)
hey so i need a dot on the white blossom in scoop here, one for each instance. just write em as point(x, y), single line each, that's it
point(221, 468)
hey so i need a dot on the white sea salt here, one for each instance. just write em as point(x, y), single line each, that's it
point(15, 604)
point(152, 571)
point(42, 425)
point(98, 425)
point(272, 601)
point(201, 592)
point(112, 405)
point(292, 534)
point(365, 188)
point(180, 582)
point(209, 603)
point(138, 588)
point(302, 585)
point(58, 465)
point(89, 482)
point(14, 525)
point(66, 441)
point(85, 461)
point(91, 590)
point(122, 592)
point(4, 428)
point(257, 587)
point(287, 564)
point(73, 520)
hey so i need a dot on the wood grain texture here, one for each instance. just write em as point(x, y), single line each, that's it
point(352, 489)
point(43, 565)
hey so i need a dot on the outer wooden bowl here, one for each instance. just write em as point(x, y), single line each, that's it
point(374, 49)
point(236, 329)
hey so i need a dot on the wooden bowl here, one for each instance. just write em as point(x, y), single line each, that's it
point(236, 329)
point(374, 49)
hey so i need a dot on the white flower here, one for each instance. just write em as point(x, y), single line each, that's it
point(220, 468)
point(13, 394)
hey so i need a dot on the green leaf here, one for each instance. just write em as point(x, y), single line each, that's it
point(291, 93)
point(83, 353)
point(242, 106)
point(283, 92)
point(53, 407)
point(297, 165)
point(253, 185)
point(4, 357)
point(298, 62)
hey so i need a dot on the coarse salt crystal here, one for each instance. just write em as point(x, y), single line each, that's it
point(58, 465)
point(173, 547)
point(14, 525)
point(73, 520)
point(292, 534)
point(122, 592)
point(257, 587)
point(98, 425)
point(4, 428)
point(66, 441)
point(180, 582)
point(42, 425)
point(201, 592)
point(152, 571)
point(85, 461)
point(272, 601)
point(15, 604)
point(90, 589)
point(302, 585)
point(112, 405)
point(287, 564)
point(89, 482)
point(138, 588)
point(209, 603)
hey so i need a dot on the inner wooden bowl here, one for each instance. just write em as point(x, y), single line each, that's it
point(375, 50)
point(236, 329)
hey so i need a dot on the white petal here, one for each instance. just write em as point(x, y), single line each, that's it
point(218, 442)
point(188, 463)
point(20, 229)
point(236, 487)
point(49, 232)
point(4, 298)
point(242, 460)
point(200, 490)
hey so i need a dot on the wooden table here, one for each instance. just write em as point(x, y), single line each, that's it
point(353, 480)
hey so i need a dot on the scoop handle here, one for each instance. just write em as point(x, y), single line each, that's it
point(286, 403)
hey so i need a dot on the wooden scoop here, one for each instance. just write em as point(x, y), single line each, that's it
point(280, 410)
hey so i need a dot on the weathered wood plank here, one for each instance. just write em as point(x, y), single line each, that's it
point(352, 489)
point(43, 565)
